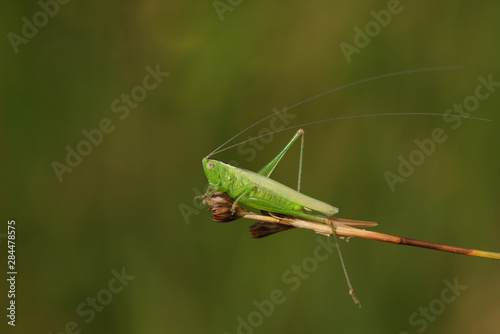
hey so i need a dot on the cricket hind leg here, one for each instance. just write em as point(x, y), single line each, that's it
point(268, 169)
point(262, 229)
point(346, 274)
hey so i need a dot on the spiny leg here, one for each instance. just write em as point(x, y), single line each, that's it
point(268, 169)
point(346, 274)
point(334, 235)
point(300, 159)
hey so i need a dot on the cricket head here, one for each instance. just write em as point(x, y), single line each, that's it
point(212, 172)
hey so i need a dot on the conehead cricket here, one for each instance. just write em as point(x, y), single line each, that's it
point(283, 208)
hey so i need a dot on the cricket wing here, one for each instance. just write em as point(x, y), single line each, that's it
point(289, 194)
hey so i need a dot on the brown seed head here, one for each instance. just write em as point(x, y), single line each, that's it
point(222, 207)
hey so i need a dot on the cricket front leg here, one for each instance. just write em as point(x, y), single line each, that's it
point(206, 195)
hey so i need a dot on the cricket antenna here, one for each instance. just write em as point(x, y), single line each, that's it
point(381, 76)
point(348, 117)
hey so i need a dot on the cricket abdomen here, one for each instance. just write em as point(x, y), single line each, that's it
point(272, 197)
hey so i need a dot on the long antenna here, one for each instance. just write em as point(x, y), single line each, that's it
point(344, 117)
point(427, 69)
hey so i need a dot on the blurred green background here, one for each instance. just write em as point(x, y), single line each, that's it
point(129, 203)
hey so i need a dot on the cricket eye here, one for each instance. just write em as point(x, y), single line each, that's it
point(210, 165)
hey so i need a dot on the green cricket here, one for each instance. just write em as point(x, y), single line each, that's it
point(257, 190)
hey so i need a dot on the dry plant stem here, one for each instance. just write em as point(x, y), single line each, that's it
point(347, 231)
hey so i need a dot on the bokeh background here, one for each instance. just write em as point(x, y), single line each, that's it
point(129, 203)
